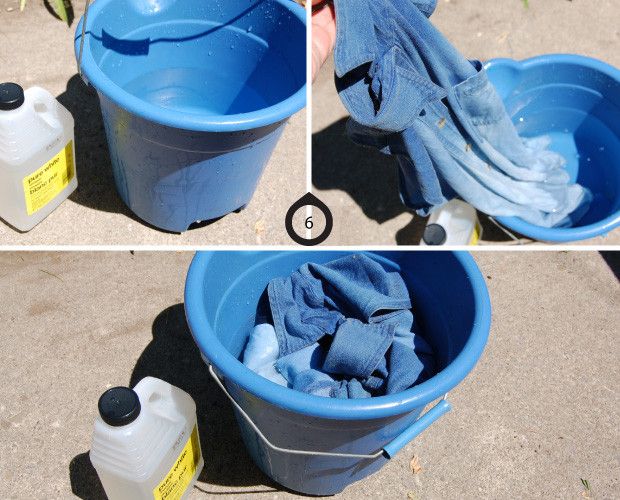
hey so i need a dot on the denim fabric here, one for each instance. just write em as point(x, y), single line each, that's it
point(304, 371)
point(412, 95)
point(370, 343)
point(316, 299)
point(343, 329)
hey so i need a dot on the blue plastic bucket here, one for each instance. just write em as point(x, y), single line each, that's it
point(194, 97)
point(452, 305)
point(575, 100)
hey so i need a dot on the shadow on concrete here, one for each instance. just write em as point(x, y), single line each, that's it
point(173, 356)
point(368, 176)
point(84, 480)
point(612, 259)
point(96, 188)
point(412, 233)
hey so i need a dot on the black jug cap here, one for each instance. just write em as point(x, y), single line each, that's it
point(119, 406)
point(434, 234)
point(11, 96)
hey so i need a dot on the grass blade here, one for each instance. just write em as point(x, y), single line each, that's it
point(22, 5)
point(61, 10)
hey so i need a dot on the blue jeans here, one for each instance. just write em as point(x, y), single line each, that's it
point(412, 95)
point(343, 329)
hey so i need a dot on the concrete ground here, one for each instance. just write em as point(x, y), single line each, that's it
point(537, 415)
point(360, 185)
point(37, 49)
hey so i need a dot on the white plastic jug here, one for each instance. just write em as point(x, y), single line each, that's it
point(37, 155)
point(145, 443)
point(455, 223)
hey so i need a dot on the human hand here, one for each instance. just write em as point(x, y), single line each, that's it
point(323, 33)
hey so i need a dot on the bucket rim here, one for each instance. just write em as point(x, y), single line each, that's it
point(176, 118)
point(236, 372)
point(562, 58)
point(559, 234)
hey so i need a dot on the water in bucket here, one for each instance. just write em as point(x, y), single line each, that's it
point(575, 100)
point(201, 91)
point(594, 146)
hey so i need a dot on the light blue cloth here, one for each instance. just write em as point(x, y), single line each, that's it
point(262, 352)
point(412, 95)
point(343, 329)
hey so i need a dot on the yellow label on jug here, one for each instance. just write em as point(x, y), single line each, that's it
point(475, 237)
point(180, 475)
point(43, 185)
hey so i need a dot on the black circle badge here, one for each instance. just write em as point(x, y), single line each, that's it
point(309, 199)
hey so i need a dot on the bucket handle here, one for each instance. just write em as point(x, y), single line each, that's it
point(388, 451)
point(82, 40)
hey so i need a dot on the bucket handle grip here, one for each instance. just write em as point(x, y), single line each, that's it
point(388, 451)
point(415, 429)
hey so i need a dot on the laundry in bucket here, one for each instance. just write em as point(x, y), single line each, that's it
point(411, 94)
point(343, 329)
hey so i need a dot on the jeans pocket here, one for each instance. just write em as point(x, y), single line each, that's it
point(399, 92)
point(390, 95)
point(479, 100)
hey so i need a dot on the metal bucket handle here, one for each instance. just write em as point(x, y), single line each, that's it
point(82, 39)
point(388, 451)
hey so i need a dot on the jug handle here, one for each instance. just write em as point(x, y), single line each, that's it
point(50, 102)
point(388, 451)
